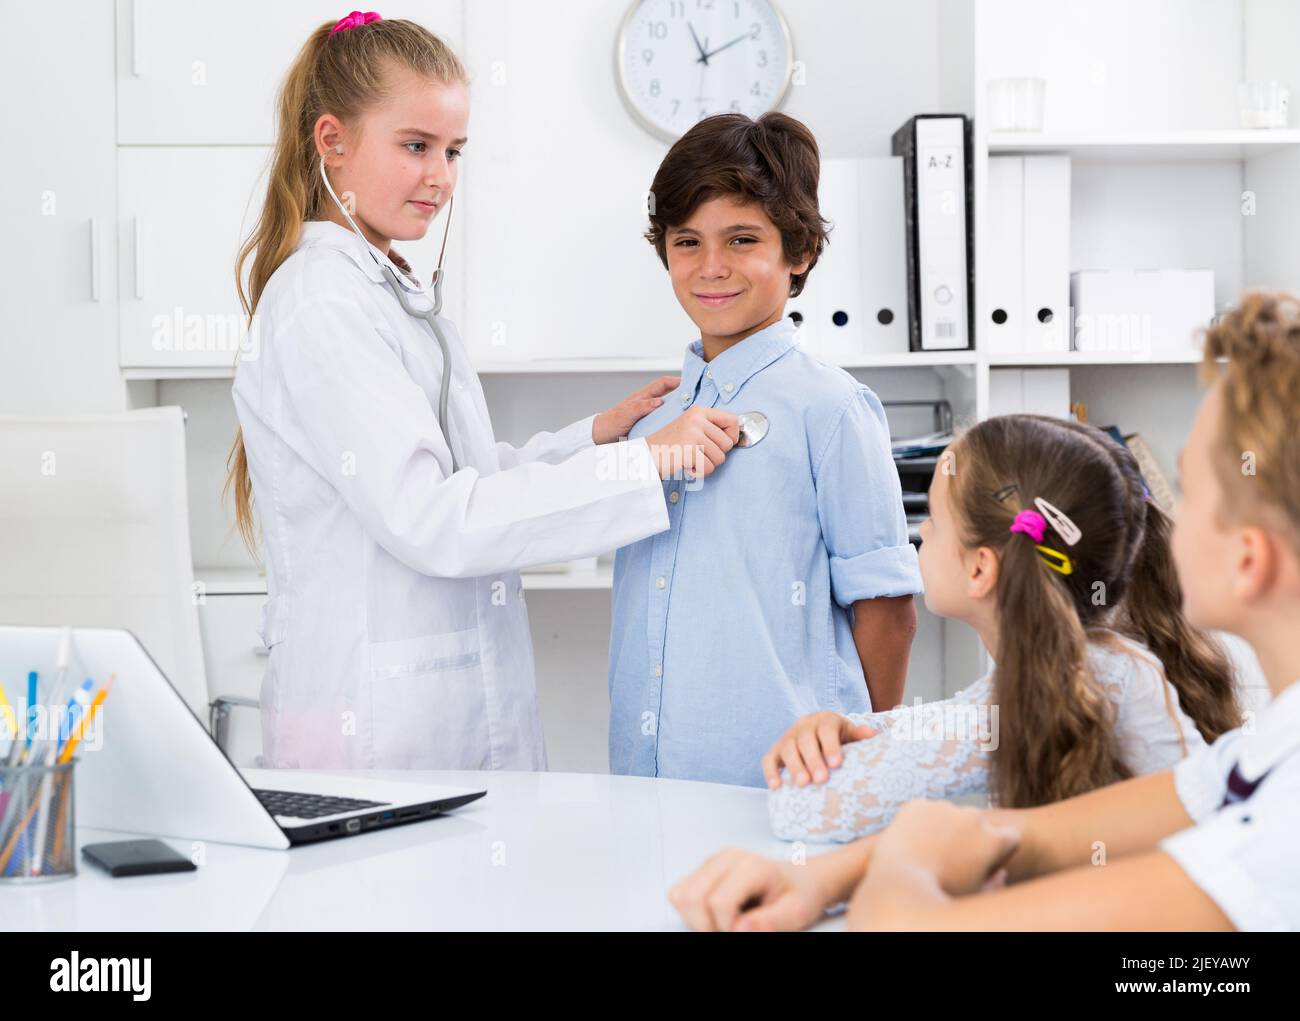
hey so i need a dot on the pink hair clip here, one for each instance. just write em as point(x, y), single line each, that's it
point(355, 20)
point(1031, 523)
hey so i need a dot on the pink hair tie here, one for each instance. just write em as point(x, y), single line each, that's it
point(355, 20)
point(1031, 523)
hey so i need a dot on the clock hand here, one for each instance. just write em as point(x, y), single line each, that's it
point(705, 56)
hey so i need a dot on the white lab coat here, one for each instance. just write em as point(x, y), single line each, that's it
point(396, 624)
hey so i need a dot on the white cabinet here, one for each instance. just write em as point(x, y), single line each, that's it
point(183, 212)
point(56, 302)
point(191, 72)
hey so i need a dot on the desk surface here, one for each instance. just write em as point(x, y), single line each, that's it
point(541, 851)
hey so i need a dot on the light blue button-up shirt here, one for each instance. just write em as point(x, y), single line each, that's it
point(734, 623)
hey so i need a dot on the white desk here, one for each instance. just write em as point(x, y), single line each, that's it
point(541, 851)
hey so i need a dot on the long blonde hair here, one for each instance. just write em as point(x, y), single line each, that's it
point(343, 74)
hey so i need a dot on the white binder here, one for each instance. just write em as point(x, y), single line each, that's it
point(1001, 284)
point(941, 232)
point(1046, 300)
point(854, 301)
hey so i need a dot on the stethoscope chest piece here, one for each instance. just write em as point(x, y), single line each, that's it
point(753, 427)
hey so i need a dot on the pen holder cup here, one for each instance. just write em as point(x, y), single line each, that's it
point(37, 831)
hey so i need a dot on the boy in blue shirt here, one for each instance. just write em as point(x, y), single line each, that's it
point(784, 583)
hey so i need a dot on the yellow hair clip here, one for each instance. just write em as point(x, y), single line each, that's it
point(1055, 559)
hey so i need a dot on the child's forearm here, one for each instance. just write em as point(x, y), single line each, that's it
point(1122, 819)
point(883, 630)
point(840, 871)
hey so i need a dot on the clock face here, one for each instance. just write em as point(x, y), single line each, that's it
point(682, 60)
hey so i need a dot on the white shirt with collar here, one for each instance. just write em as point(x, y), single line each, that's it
point(1246, 855)
point(396, 623)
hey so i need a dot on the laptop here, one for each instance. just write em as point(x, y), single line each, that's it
point(150, 766)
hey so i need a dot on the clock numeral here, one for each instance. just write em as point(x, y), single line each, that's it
point(753, 89)
point(735, 106)
point(762, 58)
point(677, 9)
point(755, 30)
point(647, 55)
point(654, 87)
point(657, 29)
point(676, 103)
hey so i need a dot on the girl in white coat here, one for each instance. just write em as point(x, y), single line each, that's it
point(396, 624)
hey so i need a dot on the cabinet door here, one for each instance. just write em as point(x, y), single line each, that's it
point(183, 213)
point(57, 317)
point(190, 72)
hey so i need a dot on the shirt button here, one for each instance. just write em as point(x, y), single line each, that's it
point(674, 496)
point(459, 384)
point(686, 398)
point(728, 387)
point(659, 669)
point(661, 581)
point(709, 373)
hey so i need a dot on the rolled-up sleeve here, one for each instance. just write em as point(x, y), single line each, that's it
point(860, 503)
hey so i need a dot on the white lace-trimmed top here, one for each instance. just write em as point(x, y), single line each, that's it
point(943, 749)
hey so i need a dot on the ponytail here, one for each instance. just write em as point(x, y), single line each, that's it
point(1056, 723)
point(1195, 664)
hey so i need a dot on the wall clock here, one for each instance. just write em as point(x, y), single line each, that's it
point(679, 61)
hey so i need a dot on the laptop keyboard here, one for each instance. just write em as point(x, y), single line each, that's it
point(310, 806)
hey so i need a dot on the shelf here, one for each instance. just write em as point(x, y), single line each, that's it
point(234, 581)
point(1153, 146)
point(180, 372)
point(1067, 358)
point(601, 366)
point(884, 360)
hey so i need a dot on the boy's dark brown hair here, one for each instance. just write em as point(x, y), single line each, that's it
point(773, 161)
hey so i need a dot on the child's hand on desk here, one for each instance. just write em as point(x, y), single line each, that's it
point(617, 422)
point(810, 746)
point(737, 891)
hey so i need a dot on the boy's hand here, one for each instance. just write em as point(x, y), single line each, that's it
point(736, 891)
point(615, 423)
point(695, 442)
point(809, 746)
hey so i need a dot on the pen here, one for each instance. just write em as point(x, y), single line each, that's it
point(42, 820)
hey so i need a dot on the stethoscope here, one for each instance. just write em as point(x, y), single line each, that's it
point(400, 291)
point(753, 427)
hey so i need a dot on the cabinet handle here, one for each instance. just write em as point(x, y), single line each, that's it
point(137, 61)
point(94, 259)
point(136, 230)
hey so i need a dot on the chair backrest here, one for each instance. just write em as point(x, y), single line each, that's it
point(94, 532)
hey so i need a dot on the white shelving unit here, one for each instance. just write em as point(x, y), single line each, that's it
point(1149, 146)
point(564, 306)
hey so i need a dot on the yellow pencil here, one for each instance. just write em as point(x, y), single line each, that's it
point(85, 722)
point(7, 713)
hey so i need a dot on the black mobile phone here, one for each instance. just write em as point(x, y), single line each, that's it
point(137, 857)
